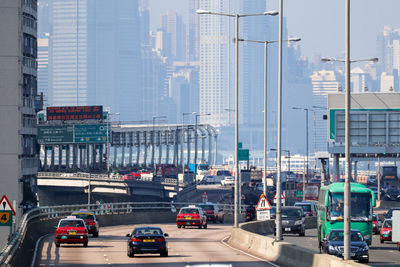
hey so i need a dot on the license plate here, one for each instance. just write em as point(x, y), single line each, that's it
point(352, 254)
point(188, 218)
point(287, 229)
point(187, 223)
point(64, 237)
point(148, 240)
point(72, 232)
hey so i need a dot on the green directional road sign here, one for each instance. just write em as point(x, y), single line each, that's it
point(243, 154)
point(240, 145)
point(51, 134)
point(90, 133)
point(5, 217)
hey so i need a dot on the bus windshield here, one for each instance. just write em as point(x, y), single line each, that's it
point(361, 209)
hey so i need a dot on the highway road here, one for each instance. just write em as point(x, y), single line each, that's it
point(379, 254)
point(186, 247)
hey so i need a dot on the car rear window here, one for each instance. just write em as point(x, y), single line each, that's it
point(387, 224)
point(190, 210)
point(85, 216)
point(148, 231)
point(207, 207)
point(306, 207)
point(291, 213)
point(72, 223)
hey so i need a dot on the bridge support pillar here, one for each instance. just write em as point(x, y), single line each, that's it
point(137, 144)
point(74, 156)
point(67, 157)
point(101, 164)
point(215, 149)
point(188, 146)
point(80, 158)
point(355, 171)
point(202, 148)
point(145, 148)
point(167, 147)
point(87, 156)
point(159, 147)
point(336, 168)
point(115, 156)
point(130, 148)
point(209, 147)
point(60, 155)
point(123, 156)
point(45, 158)
point(152, 142)
point(94, 156)
point(52, 158)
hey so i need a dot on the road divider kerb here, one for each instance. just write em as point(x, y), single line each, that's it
point(251, 237)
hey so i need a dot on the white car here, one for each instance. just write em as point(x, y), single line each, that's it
point(228, 181)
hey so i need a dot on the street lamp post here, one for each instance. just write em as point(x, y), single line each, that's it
point(347, 194)
point(237, 177)
point(306, 162)
point(266, 98)
point(347, 189)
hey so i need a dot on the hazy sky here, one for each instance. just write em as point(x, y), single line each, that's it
point(320, 23)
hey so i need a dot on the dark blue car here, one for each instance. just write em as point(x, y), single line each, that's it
point(334, 245)
point(147, 240)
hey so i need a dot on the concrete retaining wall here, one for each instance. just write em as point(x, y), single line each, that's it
point(250, 237)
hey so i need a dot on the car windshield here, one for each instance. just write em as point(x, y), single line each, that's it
point(392, 191)
point(71, 223)
point(220, 173)
point(361, 208)
point(291, 213)
point(387, 224)
point(203, 167)
point(207, 207)
point(339, 236)
point(85, 216)
point(189, 210)
point(147, 231)
point(306, 207)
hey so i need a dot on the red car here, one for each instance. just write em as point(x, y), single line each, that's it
point(191, 216)
point(376, 224)
point(212, 212)
point(71, 230)
point(386, 230)
point(88, 216)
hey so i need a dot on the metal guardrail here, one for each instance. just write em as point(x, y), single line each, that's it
point(54, 212)
point(105, 177)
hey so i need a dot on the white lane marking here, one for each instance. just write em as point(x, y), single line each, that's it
point(255, 257)
point(36, 249)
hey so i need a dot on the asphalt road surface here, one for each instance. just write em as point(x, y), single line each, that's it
point(385, 254)
point(186, 247)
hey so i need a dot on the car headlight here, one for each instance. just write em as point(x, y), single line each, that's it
point(298, 222)
point(367, 237)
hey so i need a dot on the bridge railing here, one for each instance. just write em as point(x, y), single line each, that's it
point(148, 178)
point(55, 212)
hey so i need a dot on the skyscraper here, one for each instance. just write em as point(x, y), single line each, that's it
point(172, 24)
point(324, 82)
point(69, 53)
point(43, 67)
point(18, 105)
point(95, 55)
point(216, 87)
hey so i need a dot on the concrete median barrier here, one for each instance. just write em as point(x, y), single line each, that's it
point(251, 237)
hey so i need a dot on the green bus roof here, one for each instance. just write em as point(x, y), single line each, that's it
point(339, 187)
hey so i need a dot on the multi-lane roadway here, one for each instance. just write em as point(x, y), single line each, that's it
point(186, 247)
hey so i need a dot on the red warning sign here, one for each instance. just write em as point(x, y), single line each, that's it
point(263, 203)
point(6, 205)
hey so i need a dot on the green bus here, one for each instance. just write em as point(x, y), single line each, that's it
point(331, 210)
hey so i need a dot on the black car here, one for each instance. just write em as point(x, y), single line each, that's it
point(293, 221)
point(144, 240)
point(333, 244)
point(389, 214)
point(392, 194)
